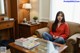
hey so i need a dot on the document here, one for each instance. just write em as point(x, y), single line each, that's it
point(51, 48)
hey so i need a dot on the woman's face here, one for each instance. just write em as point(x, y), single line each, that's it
point(60, 17)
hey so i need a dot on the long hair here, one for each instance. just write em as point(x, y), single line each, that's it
point(54, 25)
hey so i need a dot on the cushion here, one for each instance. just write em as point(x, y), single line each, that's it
point(41, 31)
point(74, 28)
point(50, 24)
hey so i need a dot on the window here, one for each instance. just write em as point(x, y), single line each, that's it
point(2, 10)
point(70, 9)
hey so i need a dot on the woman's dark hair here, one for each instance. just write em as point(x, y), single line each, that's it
point(54, 25)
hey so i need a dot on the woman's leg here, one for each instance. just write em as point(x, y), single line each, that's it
point(47, 36)
point(59, 40)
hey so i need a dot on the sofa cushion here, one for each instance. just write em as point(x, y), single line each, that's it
point(74, 28)
point(50, 24)
point(41, 31)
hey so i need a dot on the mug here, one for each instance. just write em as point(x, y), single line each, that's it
point(6, 18)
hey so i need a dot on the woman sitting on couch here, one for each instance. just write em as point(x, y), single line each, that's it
point(59, 31)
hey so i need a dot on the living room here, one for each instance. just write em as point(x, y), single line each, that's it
point(17, 20)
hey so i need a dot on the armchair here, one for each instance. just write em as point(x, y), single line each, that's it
point(72, 39)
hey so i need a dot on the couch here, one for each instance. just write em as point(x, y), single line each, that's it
point(71, 41)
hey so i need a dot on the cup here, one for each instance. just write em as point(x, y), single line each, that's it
point(6, 18)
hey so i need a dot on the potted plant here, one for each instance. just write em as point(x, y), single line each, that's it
point(35, 18)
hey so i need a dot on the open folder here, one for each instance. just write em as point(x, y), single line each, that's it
point(51, 48)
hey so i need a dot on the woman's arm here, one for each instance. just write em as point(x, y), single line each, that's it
point(52, 34)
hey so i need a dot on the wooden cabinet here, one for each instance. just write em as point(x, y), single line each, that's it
point(7, 29)
point(26, 30)
point(43, 24)
point(6, 24)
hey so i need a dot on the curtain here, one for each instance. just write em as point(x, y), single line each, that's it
point(71, 10)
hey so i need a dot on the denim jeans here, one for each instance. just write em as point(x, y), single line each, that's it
point(47, 36)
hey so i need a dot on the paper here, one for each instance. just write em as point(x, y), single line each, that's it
point(32, 38)
point(51, 48)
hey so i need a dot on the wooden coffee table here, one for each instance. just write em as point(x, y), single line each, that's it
point(38, 49)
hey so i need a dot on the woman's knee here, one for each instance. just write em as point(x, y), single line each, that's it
point(44, 34)
point(60, 40)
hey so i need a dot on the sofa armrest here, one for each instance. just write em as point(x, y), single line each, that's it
point(71, 41)
point(40, 31)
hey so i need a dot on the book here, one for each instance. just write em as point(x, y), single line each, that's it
point(27, 42)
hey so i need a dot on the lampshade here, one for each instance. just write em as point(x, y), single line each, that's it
point(26, 6)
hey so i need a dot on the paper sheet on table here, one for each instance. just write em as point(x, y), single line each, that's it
point(51, 48)
point(32, 38)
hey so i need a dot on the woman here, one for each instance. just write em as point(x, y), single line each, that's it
point(59, 31)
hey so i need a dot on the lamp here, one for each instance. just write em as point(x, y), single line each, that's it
point(28, 7)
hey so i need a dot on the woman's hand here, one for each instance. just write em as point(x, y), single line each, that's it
point(55, 36)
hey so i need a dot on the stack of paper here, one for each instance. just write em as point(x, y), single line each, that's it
point(27, 43)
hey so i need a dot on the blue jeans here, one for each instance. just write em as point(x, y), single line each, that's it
point(47, 36)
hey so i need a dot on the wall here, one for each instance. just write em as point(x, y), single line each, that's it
point(40, 8)
point(8, 8)
point(22, 13)
point(35, 9)
point(44, 10)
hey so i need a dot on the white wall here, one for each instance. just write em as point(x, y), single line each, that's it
point(44, 10)
point(35, 9)
point(0, 6)
point(40, 8)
